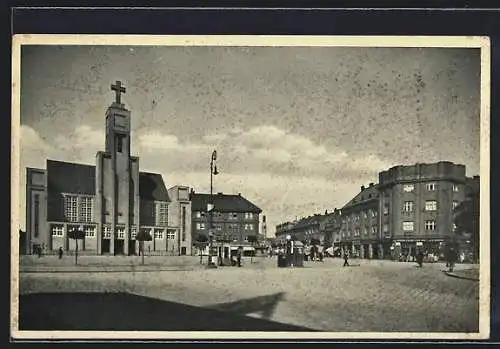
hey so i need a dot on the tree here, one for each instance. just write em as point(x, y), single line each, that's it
point(200, 242)
point(467, 221)
point(76, 235)
point(142, 236)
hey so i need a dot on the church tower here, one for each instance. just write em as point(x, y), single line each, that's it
point(117, 180)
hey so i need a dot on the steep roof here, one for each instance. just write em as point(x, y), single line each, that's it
point(367, 194)
point(152, 187)
point(223, 203)
point(70, 177)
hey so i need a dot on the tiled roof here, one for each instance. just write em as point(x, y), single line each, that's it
point(223, 203)
point(152, 187)
point(69, 177)
point(369, 193)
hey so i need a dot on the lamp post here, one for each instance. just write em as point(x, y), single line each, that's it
point(213, 172)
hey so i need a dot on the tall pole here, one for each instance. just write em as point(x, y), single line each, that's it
point(210, 213)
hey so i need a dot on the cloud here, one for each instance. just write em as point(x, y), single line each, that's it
point(285, 174)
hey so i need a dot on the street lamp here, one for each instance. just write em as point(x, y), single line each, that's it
point(213, 172)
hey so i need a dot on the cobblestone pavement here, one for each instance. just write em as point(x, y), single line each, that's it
point(374, 296)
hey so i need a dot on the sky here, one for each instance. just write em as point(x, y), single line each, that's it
point(297, 130)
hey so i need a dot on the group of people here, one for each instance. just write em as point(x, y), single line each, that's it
point(314, 253)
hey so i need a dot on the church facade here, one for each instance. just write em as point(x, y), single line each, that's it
point(111, 201)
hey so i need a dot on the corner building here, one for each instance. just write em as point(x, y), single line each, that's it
point(417, 203)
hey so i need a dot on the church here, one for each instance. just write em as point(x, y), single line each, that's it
point(111, 202)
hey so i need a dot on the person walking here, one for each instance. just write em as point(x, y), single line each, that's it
point(238, 255)
point(346, 259)
point(420, 258)
point(60, 252)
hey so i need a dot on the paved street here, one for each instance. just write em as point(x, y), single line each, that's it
point(378, 296)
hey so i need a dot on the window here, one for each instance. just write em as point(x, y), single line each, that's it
point(455, 188)
point(36, 214)
point(386, 209)
point(356, 232)
point(454, 227)
point(374, 213)
point(408, 226)
point(89, 231)
point(183, 219)
point(106, 230)
point(121, 232)
point(430, 225)
point(386, 228)
point(200, 226)
point(133, 232)
point(248, 226)
point(455, 204)
point(248, 215)
point(374, 229)
point(162, 213)
point(86, 209)
point(431, 205)
point(119, 143)
point(158, 234)
point(408, 188)
point(200, 214)
point(430, 186)
point(365, 215)
point(408, 206)
point(233, 216)
point(365, 231)
point(57, 230)
point(70, 208)
point(171, 234)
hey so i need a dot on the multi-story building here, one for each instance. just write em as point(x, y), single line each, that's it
point(110, 202)
point(417, 203)
point(282, 230)
point(330, 227)
point(233, 217)
point(360, 224)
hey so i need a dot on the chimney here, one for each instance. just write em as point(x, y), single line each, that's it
point(371, 185)
point(219, 193)
point(239, 194)
point(362, 187)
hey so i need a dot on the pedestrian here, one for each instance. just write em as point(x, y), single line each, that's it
point(420, 258)
point(346, 259)
point(60, 252)
point(39, 251)
point(452, 259)
point(238, 255)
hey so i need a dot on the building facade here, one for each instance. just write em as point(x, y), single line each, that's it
point(360, 224)
point(232, 219)
point(331, 228)
point(417, 203)
point(179, 215)
point(111, 201)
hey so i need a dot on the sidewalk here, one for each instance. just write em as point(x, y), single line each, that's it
point(467, 274)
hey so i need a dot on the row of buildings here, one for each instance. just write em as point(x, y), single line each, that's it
point(113, 201)
point(410, 206)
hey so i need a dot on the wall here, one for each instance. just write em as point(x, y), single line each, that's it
point(36, 222)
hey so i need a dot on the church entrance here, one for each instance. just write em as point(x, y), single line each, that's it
point(183, 251)
point(131, 247)
point(119, 247)
point(105, 246)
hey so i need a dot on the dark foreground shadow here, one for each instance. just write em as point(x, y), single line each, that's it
point(128, 312)
point(262, 305)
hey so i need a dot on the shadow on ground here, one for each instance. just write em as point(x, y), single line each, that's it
point(128, 312)
point(262, 305)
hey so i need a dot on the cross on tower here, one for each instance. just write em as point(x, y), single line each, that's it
point(119, 89)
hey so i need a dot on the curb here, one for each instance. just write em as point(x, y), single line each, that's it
point(103, 271)
point(452, 274)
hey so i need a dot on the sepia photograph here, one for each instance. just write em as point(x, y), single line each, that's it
point(250, 187)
